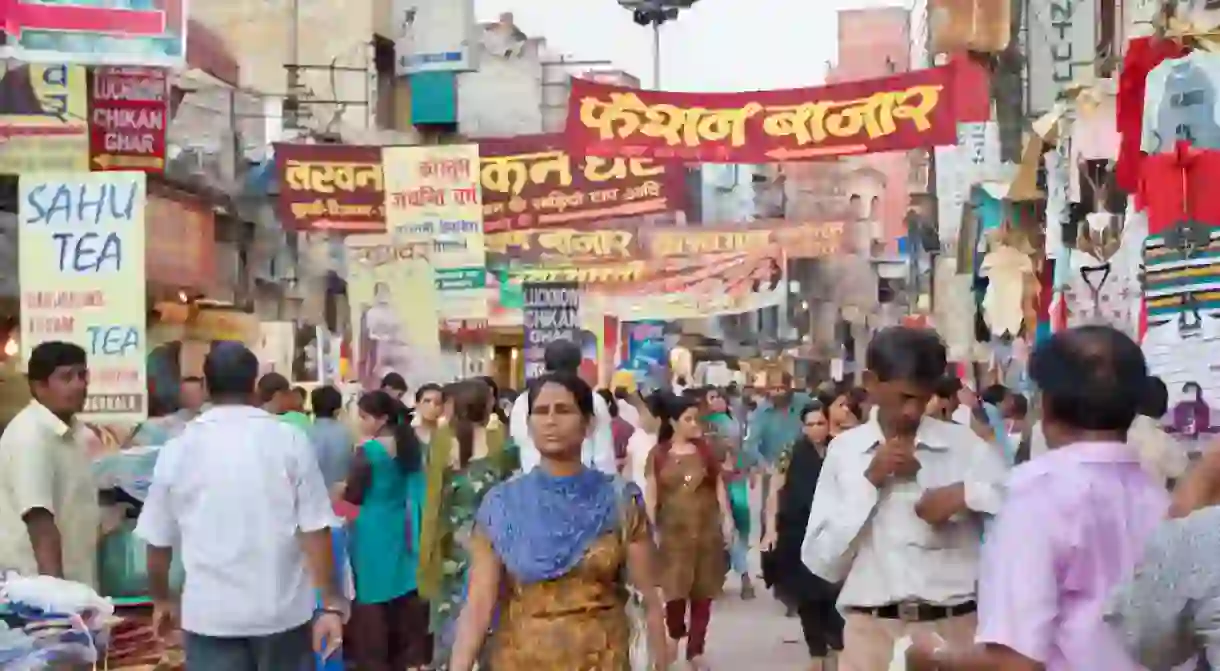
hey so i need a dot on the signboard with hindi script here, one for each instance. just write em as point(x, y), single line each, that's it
point(895, 113)
point(331, 187)
point(531, 181)
point(43, 119)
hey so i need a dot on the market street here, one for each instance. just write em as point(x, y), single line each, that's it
point(754, 634)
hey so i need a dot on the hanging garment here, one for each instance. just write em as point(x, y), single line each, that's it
point(1179, 186)
point(1180, 285)
point(1101, 237)
point(1180, 104)
point(1143, 55)
point(1007, 271)
point(1103, 294)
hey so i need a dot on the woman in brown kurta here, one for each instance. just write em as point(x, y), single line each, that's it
point(554, 548)
point(688, 501)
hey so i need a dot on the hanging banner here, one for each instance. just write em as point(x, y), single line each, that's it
point(895, 113)
point(551, 312)
point(635, 241)
point(433, 197)
point(128, 114)
point(331, 187)
point(531, 181)
point(82, 280)
point(43, 119)
point(117, 32)
point(392, 294)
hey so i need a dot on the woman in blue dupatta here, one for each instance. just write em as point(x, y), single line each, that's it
point(555, 548)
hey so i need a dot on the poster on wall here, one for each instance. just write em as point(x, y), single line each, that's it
point(394, 311)
point(433, 35)
point(81, 272)
point(433, 196)
point(115, 32)
point(551, 312)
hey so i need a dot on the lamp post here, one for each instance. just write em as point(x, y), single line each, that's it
point(655, 13)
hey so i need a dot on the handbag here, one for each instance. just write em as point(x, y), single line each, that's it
point(637, 620)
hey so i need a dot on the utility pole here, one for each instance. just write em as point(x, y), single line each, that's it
point(1007, 87)
point(655, 13)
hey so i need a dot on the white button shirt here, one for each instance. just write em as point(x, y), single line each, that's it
point(598, 449)
point(872, 541)
point(230, 494)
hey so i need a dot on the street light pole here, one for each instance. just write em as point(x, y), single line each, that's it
point(655, 13)
point(656, 55)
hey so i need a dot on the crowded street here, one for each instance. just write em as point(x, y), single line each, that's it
point(609, 335)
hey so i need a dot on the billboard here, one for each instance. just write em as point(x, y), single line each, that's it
point(89, 32)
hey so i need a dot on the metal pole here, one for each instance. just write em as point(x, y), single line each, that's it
point(656, 53)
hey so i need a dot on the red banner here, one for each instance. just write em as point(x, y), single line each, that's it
point(128, 118)
point(900, 112)
point(531, 182)
point(331, 187)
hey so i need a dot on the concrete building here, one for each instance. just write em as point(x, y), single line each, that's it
point(728, 194)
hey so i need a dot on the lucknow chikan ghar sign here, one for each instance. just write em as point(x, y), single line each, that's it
point(128, 110)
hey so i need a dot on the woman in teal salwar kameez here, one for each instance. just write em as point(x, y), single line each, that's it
point(725, 434)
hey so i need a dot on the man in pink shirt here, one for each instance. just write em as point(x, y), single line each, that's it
point(1074, 523)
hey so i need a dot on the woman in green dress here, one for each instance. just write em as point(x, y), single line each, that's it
point(389, 620)
point(468, 455)
point(725, 435)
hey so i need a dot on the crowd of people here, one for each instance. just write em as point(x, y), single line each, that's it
point(566, 528)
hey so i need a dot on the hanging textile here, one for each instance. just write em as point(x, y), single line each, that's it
point(1180, 185)
point(1181, 282)
point(1143, 55)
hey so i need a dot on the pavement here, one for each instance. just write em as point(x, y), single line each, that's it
point(754, 634)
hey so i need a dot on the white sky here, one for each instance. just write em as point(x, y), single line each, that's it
point(718, 45)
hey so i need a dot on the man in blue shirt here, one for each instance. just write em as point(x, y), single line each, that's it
point(774, 426)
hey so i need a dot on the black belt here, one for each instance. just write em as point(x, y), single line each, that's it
point(918, 612)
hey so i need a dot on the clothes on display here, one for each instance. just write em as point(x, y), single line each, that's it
point(1180, 104)
point(1143, 56)
point(1008, 272)
point(1176, 186)
point(1174, 355)
point(1181, 285)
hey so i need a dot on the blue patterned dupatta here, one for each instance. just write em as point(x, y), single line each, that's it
point(541, 526)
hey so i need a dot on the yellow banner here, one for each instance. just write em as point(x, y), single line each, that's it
point(394, 303)
point(43, 119)
point(434, 196)
point(81, 249)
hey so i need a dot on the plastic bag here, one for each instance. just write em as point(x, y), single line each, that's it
point(122, 561)
point(54, 595)
point(130, 470)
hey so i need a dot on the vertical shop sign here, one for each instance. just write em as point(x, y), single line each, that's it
point(551, 312)
point(128, 109)
point(116, 32)
point(433, 195)
point(434, 35)
point(82, 280)
point(1062, 46)
point(43, 119)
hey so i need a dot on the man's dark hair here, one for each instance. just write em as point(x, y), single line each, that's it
point(424, 389)
point(906, 353)
point(394, 381)
point(231, 370)
point(1092, 378)
point(562, 356)
point(621, 393)
point(268, 386)
point(326, 402)
point(1155, 400)
point(192, 379)
point(948, 387)
point(300, 392)
point(53, 354)
point(1020, 406)
point(994, 394)
point(611, 404)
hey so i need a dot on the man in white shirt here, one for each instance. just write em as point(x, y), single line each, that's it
point(564, 356)
point(49, 513)
point(895, 517)
point(241, 496)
